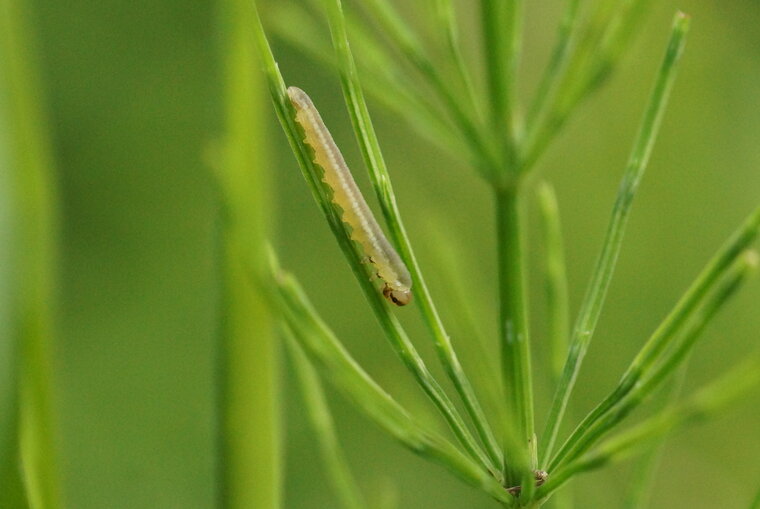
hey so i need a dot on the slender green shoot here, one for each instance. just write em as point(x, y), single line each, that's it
point(555, 280)
point(30, 177)
point(557, 62)
point(645, 470)
point(582, 441)
point(338, 471)
point(12, 494)
point(381, 181)
point(706, 403)
point(594, 299)
point(406, 41)
point(446, 17)
point(336, 365)
point(668, 331)
point(400, 342)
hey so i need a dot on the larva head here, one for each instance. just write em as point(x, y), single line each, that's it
point(397, 296)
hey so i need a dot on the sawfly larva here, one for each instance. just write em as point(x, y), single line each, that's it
point(346, 195)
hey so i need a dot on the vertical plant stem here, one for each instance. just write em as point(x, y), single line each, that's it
point(12, 492)
point(249, 453)
point(515, 344)
point(597, 291)
point(502, 31)
point(35, 253)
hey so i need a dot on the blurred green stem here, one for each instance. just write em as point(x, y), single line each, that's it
point(555, 280)
point(249, 453)
point(35, 254)
point(338, 470)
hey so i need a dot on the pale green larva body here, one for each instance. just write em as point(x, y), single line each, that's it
point(346, 194)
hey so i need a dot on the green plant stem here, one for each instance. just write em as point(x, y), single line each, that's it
point(669, 329)
point(35, 228)
point(249, 452)
point(12, 494)
point(502, 31)
point(594, 299)
point(382, 184)
point(337, 366)
point(582, 441)
point(338, 471)
point(515, 343)
point(555, 280)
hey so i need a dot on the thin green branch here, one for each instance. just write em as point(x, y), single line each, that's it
point(338, 470)
point(447, 22)
point(645, 471)
point(555, 280)
point(30, 170)
point(558, 61)
point(706, 403)
point(337, 366)
point(597, 290)
point(668, 331)
point(380, 178)
point(582, 441)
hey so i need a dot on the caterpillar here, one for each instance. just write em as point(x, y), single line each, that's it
point(346, 195)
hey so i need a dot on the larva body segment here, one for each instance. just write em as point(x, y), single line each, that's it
point(346, 194)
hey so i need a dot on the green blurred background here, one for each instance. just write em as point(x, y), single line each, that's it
point(134, 92)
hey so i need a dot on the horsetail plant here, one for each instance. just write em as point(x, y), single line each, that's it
point(441, 100)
